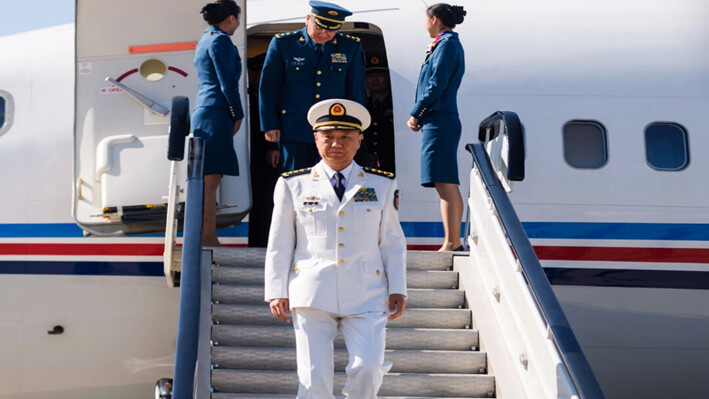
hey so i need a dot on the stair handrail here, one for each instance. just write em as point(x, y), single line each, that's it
point(561, 334)
point(178, 131)
point(188, 321)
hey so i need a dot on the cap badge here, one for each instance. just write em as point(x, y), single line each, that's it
point(374, 60)
point(337, 109)
point(333, 13)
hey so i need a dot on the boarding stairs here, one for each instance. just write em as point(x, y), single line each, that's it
point(230, 346)
point(434, 349)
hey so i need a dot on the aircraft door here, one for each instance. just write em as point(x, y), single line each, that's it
point(132, 58)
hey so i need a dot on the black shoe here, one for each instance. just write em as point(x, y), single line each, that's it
point(459, 249)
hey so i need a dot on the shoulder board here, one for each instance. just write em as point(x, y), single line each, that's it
point(355, 38)
point(379, 172)
point(285, 34)
point(296, 172)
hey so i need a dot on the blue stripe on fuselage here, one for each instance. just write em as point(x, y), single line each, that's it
point(83, 268)
point(539, 230)
point(618, 231)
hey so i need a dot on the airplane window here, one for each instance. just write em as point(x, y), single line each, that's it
point(6, 110)
point(153, 70)
point(585, 144)
point(666, 146)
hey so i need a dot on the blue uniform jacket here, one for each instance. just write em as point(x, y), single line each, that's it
point(293, 80)
point(440, 77)
point(218, 68)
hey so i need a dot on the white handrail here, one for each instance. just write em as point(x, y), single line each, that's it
point(171, 226)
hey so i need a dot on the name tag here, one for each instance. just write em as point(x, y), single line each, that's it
point(365, 195)
point(338, 58)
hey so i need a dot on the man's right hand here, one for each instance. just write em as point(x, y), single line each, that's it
point(273, 135)
point(273, 158)
point(280, 307)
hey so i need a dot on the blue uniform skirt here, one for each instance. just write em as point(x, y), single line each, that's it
point(216, 128)
point(439, 148)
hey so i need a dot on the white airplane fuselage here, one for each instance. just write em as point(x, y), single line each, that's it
point(625, 244)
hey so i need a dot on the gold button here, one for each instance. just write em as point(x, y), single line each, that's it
point(342, 213)
point(376, 133)
point(318, 84)
point(341, 229)
point(339, 69)
point(342, 261)
point(376, 153)
point(310, 210)
point(378, 272)
point(283, 111)
point(296, 269)
point(369, 210)
point(342, 245)
point(319, 72)
point(317, 96)
point(375, 123)
point(297, 68)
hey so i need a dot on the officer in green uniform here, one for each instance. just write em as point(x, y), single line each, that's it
point(302, 68)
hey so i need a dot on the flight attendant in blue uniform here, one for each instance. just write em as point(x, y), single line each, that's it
point(302, 68)
point(436, 115)
point(218, 112)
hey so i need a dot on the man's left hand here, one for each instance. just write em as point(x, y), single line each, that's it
point(397, 304)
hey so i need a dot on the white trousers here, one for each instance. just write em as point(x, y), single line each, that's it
point(364, 335)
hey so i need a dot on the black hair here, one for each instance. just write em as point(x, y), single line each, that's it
point(449, 15)
point(215, 13)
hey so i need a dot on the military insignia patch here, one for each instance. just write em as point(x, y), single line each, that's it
point(337, 109)
point(295, 172)
point(396, 199)
point(379, 172)
point(338, 58)
point(298, 61)
point(311, 200)
point(365, 195)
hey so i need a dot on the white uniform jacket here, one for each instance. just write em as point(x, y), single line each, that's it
point(342, 257)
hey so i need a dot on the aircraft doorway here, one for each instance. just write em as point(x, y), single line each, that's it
point(378, 146)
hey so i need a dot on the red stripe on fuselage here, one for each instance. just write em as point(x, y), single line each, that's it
point(623, 254)
point(125, 75)
point(82, 249)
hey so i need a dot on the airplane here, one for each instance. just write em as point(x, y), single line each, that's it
point(611, 96)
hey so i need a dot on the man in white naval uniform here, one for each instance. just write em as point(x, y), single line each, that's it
point(337, 263)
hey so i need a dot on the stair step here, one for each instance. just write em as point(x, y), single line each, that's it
point(267, 396)
point(239, 256)
point(414, 278)
point(416, 297)
point(404, 361)
point(237, 275)
point(412, 317)
point(254, 257)
point(395, 384)
point(429, 260)
point(441, 279)
point(396, 338)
